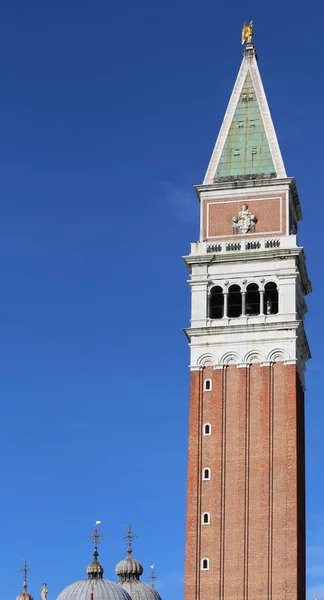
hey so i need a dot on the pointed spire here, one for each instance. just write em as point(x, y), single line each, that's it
point(247, 145)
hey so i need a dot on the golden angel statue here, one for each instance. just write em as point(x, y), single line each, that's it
point(44, 591)
point(247, 32)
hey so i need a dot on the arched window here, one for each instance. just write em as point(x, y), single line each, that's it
point(207, 429)
point(271, 298)
point(206, 474)
point(234, 301)
point(205, 564)
point(216, 303)
point(252, 299)
point(207, 385)
point(205, 518)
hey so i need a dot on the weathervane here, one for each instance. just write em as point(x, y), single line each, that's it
point(129, 537)
point(153, 576)
point(96, 536)
point(25, 569)
point(247, 32)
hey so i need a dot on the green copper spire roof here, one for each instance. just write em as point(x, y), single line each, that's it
point(246, 150)
point(247, 144)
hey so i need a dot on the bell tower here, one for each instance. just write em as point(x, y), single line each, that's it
point(248, 349)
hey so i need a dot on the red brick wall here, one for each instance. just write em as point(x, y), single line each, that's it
point(256, 539)
point(269, 210)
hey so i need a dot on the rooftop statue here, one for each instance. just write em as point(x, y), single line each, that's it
point(44, 592)
point(247, 32)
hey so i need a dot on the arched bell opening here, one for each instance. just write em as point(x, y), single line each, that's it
point(234, 301)
point(271, 298)
point(216, 303)
point(252, 300)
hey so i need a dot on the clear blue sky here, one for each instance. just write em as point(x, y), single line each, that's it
point(108, 115)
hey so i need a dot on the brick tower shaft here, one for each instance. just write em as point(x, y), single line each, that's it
point(248, 278)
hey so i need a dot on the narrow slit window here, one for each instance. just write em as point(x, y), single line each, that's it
point(207, 385)
point(237, 152)
point(254, 151)
point(252, 123)
point(206, 474)
point(205, 518)
point(207, 429)
point(241, 124)
point(205, 564)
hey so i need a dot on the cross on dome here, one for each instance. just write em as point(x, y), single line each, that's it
point(129, 537)
point(25, 569)
point(96, 535)
point(153, 576)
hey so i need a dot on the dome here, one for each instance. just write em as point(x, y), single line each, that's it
point(102, 590)
point(138, 590)
point(129, 571)
point(24, 595)
point(129, 568)
point(95, 570)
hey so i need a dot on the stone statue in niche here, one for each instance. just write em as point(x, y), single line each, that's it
point(245, 222)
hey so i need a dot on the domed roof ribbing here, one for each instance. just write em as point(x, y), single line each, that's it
point(129, 571)
point(102, 590)
point(138, 590)
point(95, 570)
point(129, 568)
point(95, 587)
point(24, 595)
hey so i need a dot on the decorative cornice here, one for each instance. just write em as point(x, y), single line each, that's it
point(246, 184)
point(236, 256)
point(241, 328)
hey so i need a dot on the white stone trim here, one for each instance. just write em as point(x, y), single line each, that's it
point(278, 355)
point(231, 358)
point(206, 360)
point(254, 357)
point(248, 66)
